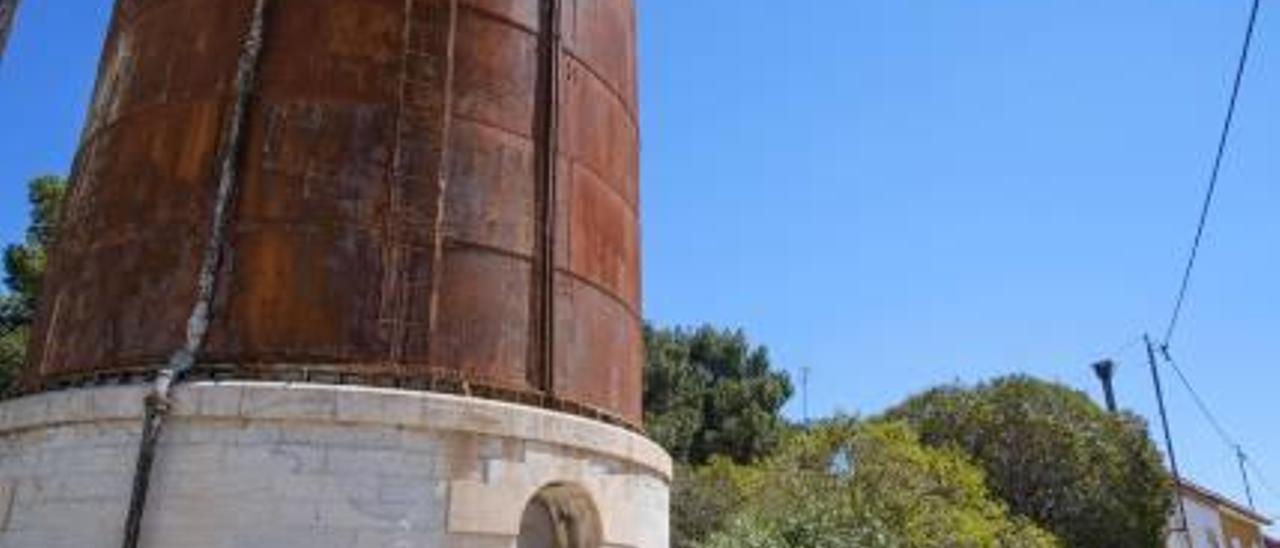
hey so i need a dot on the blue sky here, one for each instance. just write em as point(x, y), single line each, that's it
point(902, 193)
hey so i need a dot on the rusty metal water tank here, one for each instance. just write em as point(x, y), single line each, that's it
point(428, 194)
point(8, 12)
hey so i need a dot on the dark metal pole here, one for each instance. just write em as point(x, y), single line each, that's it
point(1106, 371)
point(1168, 435)
point(1244, 475)
point(804, 392)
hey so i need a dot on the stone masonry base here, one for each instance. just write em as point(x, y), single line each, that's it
point(266, 465)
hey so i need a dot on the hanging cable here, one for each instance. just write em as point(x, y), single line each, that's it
point(1199, 401)
point(158, 403)
point(1207, 205)
point(1261, 478)
point(1184, 287)
point(1123, 349)
point(1245, 463)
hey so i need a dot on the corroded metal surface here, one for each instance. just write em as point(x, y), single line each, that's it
point(391, 222)
point(8, 12)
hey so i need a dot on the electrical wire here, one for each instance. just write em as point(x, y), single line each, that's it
point(1199, 401)
point(1207, 205)
point(1126, 347)
point(1257, 476)
point(1261, 478)
point(1206, 208)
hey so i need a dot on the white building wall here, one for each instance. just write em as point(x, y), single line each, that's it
point(252, 465)
point(1204, 526)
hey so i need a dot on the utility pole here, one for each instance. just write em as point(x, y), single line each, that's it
point(1168, 437)
point(804, 393)
point(1244, 475)
point(7, 10)
point(1106, 371)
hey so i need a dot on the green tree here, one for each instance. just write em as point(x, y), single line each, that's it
point(710, 392)
point(24, 266)
point(1092, 478)
point(846, 483)
point(704, 499)
point(13, 341)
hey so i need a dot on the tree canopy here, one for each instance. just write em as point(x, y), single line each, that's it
point(1092, 478)
point(24, 267)
point(710, 392)
point(24, 264)
point(848, 483)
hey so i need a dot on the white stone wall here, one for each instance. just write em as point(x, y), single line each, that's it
point(256, 465)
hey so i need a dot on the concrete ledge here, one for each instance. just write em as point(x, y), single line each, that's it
point(310, 403)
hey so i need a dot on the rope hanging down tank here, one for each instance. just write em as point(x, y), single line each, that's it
point(158, 401)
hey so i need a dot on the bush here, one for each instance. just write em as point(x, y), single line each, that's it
point(1092, 478)
point(847, 483)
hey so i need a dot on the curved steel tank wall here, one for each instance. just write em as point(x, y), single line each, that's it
point(8, 12)
point(397, 219)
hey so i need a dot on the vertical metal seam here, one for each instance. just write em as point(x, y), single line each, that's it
point(546, 151)
point(50, 333)
point(552, 175)
point(393, 308)
point(231, 145)
point(442, 177)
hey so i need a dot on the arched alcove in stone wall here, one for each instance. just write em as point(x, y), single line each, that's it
point(560, 516)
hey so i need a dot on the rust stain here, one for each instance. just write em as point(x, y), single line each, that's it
point(388, 227)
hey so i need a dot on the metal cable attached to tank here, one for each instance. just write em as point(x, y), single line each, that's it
point(158, 402)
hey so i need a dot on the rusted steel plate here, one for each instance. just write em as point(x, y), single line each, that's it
point(483, 329)
point(602, 35)
point(599, 340)
point(387, 223)
point(604, 239)
point(8, 9)
point(599, 134)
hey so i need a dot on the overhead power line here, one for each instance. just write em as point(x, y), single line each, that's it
point(1199, 401)
point(1261, 478)
point(1242, 460)
point(1249, 470)
point(1207, 205)
point(1130, 345)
